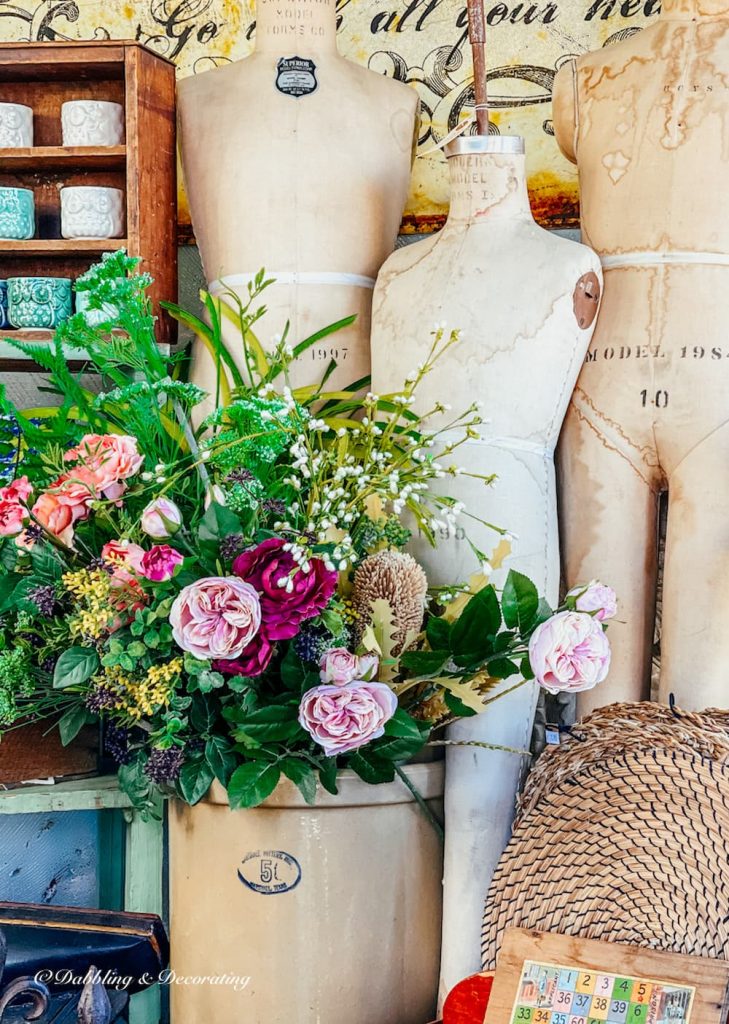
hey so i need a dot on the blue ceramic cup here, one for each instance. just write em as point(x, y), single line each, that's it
point(17, 213)
point(4, 321)
point(39, 301)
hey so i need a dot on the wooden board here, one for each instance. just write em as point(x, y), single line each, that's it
point(562, 970)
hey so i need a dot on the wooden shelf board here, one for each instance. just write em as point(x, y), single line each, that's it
point(94, 793)
point(60, 246)
point(45, 158)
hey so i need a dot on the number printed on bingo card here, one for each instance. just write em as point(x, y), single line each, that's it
point(554, 994)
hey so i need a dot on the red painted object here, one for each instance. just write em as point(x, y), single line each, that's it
point(467, 1001)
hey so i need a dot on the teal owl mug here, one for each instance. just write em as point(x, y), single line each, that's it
point(17, 213)
point(38, 301)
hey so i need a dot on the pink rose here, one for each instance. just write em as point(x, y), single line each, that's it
point(161, 518)
point(13, 510)
point(569, 653)
point(216, 617)
point(252, 662)
point(286, 599)
point(596, 597)
point(160, 562)
point(105, 461)
point(343, 718)
point(339, 667)
point(64, 504)
point(125, 559)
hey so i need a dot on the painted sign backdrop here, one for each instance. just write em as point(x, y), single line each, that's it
point(422, 42)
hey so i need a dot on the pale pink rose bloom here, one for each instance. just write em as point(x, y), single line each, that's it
point(338, 666)
point(344, 718)
point(216, 617)
point(106, 461)
point(160, 562)
point(13, 511)
point(596, 597)
point(161, 518)
point(125, 558)
point(569, 653)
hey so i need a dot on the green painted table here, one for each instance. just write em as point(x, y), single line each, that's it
point(131, 853)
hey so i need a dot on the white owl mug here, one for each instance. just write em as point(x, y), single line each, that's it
point(92, 123)
point(92, 211)
point(16, 126)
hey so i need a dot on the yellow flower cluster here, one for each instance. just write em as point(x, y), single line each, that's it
point(91, 589)
point(139, 697)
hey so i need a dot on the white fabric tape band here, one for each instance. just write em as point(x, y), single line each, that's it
point(515, 444)
point(658, 259)
point(233, 280)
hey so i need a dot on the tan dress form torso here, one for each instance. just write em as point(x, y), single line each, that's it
point(647, 121)
point(313, 185)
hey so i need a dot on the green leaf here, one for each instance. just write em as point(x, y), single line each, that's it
point(8, 554)
point(137, 649)
point(72, 722)
point(208, 681)
point(474, 630)
point(519, 601)
point(45, 563)
point(544, 612)
point(252, 783)
point(438, 633)
point(401, 724)
point(456, 705)
point(302, 775)
point(401, 748)
point(270, 723)
point(217, 523)
point(526, 668)
point(501, 668)
point(202, 715)
point(220, 758)
point(196, 779)
point(370, 768)
point(292, 670)
point(74, 667)
point(424, 663)
point(328, 774)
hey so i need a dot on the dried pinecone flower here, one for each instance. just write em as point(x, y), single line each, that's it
point(398, 579)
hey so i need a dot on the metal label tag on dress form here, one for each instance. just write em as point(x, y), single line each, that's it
point(296, 76)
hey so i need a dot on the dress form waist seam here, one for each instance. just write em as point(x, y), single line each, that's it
point(667, 258)
point(512, 444)
point(230, 281)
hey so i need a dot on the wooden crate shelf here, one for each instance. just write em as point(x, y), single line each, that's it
point(46, 247)
point(62, 158)
point(46, 75)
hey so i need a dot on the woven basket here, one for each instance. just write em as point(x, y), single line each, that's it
point(623, 834)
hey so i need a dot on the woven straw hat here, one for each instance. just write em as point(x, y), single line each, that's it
point(622, 834)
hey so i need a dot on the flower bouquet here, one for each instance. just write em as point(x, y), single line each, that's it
point(229, 593)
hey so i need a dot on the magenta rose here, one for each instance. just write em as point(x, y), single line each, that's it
point(596, 598)
point(216, 617)
point(343, 718)
point(252, 662)
point(268, 568)
point(159, 563)
point(569, 653)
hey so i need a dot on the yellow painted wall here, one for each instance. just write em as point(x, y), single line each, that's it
point(420, 41)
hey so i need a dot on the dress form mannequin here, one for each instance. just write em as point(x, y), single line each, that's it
point(309, 182)
point(517, 292)
point(646, 121)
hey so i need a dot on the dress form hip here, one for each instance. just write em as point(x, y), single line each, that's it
point(511, 287)
point(303, 172)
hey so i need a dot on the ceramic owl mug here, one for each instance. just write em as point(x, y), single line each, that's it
point(92, 211)
point(16, 126)
point(17, 213)
point(92, 123)
point(39, 301)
